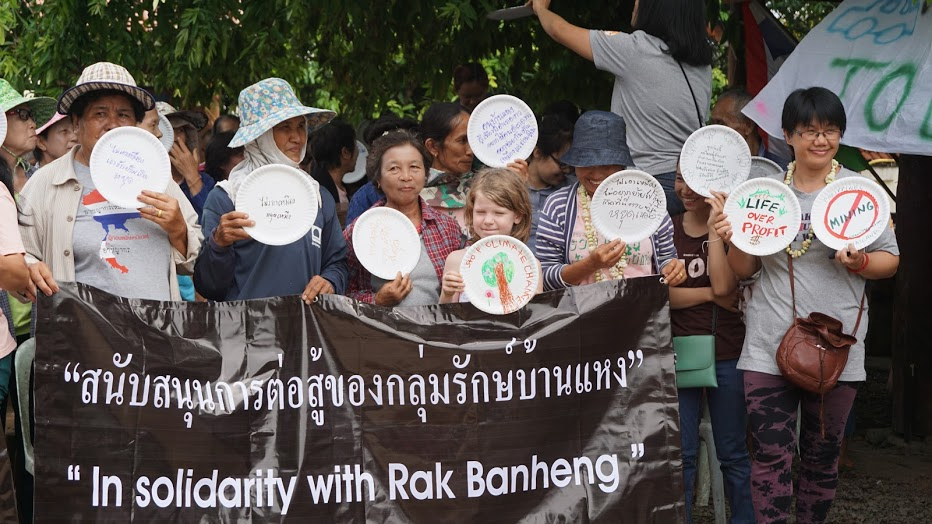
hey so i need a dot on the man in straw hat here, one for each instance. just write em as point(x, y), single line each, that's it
point(71, 233)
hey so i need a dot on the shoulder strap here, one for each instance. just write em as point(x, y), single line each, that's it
point(860, 312)
point(789, 257)
point(691, 93)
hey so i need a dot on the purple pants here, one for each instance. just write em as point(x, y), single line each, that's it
point(772, 404)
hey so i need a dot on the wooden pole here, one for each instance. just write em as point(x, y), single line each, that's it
point(912, 337)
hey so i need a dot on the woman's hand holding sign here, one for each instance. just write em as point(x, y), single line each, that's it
point(231, 229)
point(392, 293)
point(165, 211)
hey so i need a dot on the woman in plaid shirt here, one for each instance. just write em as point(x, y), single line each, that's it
point(397, 166)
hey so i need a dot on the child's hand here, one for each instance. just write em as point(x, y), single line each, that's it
point(519, 165)
point(452, 284)
point(674, 273)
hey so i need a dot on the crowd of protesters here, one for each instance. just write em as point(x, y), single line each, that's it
point(189, 242)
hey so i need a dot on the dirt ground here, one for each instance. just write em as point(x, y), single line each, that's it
point(890, 480)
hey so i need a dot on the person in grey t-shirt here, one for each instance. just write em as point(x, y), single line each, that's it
point(828, 281)
point(663, 77)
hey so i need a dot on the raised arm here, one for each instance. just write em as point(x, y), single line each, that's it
point(573, 37)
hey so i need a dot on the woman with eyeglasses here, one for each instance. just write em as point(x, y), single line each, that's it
point(23, 116)
point(545, 172)
point(826, 281)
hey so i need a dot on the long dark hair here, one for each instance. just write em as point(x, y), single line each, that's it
point(681, 24)
point(439, 120)
point(6, 176)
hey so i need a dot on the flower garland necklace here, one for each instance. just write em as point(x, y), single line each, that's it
point(618, 270)
point(790, 169)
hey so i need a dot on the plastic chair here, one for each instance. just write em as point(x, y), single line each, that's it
point(25, 355)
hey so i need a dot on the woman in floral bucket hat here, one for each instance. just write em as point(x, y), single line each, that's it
point(65, 216)
point(234, 266)
point(23, 116)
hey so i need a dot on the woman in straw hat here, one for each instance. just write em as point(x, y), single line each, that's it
point(71, 233)
point(234, 266)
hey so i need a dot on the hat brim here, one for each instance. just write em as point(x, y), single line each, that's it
point(68, 97)
point(43, 108)
point(195, 118)
point(315, 119)
point(587, 157)
point(56, 117)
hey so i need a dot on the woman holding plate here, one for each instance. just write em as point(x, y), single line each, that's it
point(824, 280)
point(72, 233)
point(569, 248)
point(233, 265)
point(663, 77)
point(397, 167)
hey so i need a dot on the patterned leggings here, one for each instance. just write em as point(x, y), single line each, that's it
point(772, 404)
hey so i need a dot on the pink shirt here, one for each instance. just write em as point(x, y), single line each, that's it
point(640, 255)
point(10, 244)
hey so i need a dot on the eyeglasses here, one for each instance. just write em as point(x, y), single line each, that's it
point(23, 113)
point(563, 167)
point(810, 135)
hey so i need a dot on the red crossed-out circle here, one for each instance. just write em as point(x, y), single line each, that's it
point(859, 195)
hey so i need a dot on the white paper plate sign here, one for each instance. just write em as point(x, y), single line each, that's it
point(629, 205)
point(715, 158)
point(500, 274)
point(764, 168)
point(501, 129)
point(281, 200)
point(386, 242)
point(126, 161)
point(764, 215)
point(853, 210)
point(2, 127)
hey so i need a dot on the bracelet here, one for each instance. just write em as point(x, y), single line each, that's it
point(867, 259)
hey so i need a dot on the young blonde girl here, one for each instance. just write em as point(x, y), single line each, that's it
point(497, 204)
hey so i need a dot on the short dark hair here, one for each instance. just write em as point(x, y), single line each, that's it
point(392, 139)
point(564, 108)
point(440, 119)
point(681, 24)
point(79, 106)
point(555, 133)
point(815, 104)
point(328, 142)
point(218, 153)
point(224, 118)
point(470, 72)
point(384, 124)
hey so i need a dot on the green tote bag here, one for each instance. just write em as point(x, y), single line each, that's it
point(695, 358)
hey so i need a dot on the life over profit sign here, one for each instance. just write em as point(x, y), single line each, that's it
point(271, 410)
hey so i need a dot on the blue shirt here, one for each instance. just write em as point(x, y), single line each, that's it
point(362, 200)
point(249, 269)
point(198, 200)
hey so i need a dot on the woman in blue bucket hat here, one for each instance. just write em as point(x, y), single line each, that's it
point(233, 265)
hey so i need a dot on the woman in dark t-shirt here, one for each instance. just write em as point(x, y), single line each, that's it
point(703, 305)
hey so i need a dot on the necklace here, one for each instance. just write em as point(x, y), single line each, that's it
point(592, 241)
point(796, 253)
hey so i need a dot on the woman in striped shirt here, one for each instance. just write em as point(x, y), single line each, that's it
point(571, 252)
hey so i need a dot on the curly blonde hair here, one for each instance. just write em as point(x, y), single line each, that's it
point(504, 188)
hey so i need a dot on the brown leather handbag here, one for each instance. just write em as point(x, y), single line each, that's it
point(814, 351)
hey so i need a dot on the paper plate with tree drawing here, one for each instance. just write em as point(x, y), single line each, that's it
point(281, 200)
point(126, 161)
point(715, 158)
point(764, 215)
point(386, 242)
point(500, 274)
point(853, 210)
point(629, 205)
point(765, 168)
point(502, 128)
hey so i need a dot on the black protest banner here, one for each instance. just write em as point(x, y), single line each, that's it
point(271, 410)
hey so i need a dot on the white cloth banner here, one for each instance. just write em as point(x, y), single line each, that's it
point(875, 55)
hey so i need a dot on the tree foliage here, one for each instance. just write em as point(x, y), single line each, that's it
point(355, 56)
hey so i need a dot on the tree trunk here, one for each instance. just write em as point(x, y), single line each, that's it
point(912, 358)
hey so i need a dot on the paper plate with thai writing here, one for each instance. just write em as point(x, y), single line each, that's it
point(500, 274)
point(502, 128)
point(765, 168)
point(386, 242)
point(281, 200)
point(126, 161)
point(715, 158)
point(851, 210)
point(629, 205)
point(764, 215)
